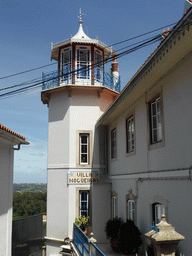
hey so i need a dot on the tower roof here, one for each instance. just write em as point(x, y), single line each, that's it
point(80, 38)
point(80, 34)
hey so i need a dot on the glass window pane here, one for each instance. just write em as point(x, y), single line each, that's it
point(158, 104)
point(159, 118)
point(83, 158)
point(153, 108)
point(83, 138)
point(159, 132)
point(130, 134)
point(83, 203)
point(131, 209)
point(132, 144)
point(129, 145)
point(154, 122)
point(82, 55)
point(83, 148)
point(156, 127)
point(154, 135)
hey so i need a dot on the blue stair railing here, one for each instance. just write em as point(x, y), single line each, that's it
point(83, 243)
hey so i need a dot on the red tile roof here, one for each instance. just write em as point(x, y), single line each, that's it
point(2, 127)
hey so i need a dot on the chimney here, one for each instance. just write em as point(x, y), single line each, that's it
point(115, 70)
point(166, 33)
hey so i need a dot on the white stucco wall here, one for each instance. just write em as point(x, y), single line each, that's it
point(173, 154)
point(101, 210)
point(6, 192)
point(177, 102)
point(67, 116)
point(58, 131)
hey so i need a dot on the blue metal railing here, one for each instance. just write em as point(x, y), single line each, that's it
point(80, 240)
point(94, 250)
point(63, 77)
point(83, 243)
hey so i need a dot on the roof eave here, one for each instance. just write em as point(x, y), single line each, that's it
point(130, 85)
point(55, 47)
point(14, 139)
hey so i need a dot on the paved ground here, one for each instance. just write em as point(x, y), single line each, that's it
point(106, 249)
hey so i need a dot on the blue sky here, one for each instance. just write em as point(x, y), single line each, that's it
point(27, 30)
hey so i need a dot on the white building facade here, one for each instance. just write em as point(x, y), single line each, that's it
point(9, 141)
point(76, 101)
point(149, 141)
point(126, 155)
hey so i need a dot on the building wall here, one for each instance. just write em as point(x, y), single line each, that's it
point(100, 207)
point(69, 116)
point(161, 171)
point(6, 192)
point(58, 131)
point(176, 149)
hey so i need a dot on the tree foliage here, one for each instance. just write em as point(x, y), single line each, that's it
point(28, 204)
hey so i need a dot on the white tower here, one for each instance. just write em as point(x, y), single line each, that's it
point(77, 95)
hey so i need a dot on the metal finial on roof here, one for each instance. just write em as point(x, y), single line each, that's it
point(80, 14)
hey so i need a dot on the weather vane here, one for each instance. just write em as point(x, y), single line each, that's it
point(80, 19)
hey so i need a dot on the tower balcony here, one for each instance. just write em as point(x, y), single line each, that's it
point(60, 78)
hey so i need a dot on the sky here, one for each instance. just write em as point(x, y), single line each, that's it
point(27, 30)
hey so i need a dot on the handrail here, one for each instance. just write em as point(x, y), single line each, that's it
point(84, 245)
point(97, 249)
point(64, 77)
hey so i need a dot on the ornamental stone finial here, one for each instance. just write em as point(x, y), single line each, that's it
point(92, 239)
point(166, 239)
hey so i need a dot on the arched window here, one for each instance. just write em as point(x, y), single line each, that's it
point(158, 206)
point(131, 206)
point(131, 209)
point(158, 210)
point(114, 204)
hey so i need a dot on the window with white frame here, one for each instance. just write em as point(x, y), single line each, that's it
point(114, 143)
point(98, 66)
point(131, 209)
point(84, 203)
point(155, 120)
point(158, 210)
point(66, 65)
point(130, 143)
point(84, 148)
point(114, 204)
point(83, 60)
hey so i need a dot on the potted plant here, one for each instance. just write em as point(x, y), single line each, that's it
point(82, 222)
point(129, 238)
point(112, 231)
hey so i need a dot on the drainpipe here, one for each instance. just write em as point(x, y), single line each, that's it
point(18, 148)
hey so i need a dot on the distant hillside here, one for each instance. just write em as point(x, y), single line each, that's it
point(29, 187)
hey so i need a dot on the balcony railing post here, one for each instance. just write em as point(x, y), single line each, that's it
point(93, 240)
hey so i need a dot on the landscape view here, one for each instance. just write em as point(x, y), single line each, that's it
point(29, 199)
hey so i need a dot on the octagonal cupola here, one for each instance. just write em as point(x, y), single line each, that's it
point(81, 62)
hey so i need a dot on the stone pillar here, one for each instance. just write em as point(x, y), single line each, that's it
point(165, 240)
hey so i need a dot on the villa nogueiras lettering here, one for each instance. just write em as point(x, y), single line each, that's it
point(83, 177)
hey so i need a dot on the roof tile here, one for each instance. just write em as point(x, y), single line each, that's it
point(2, 127)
